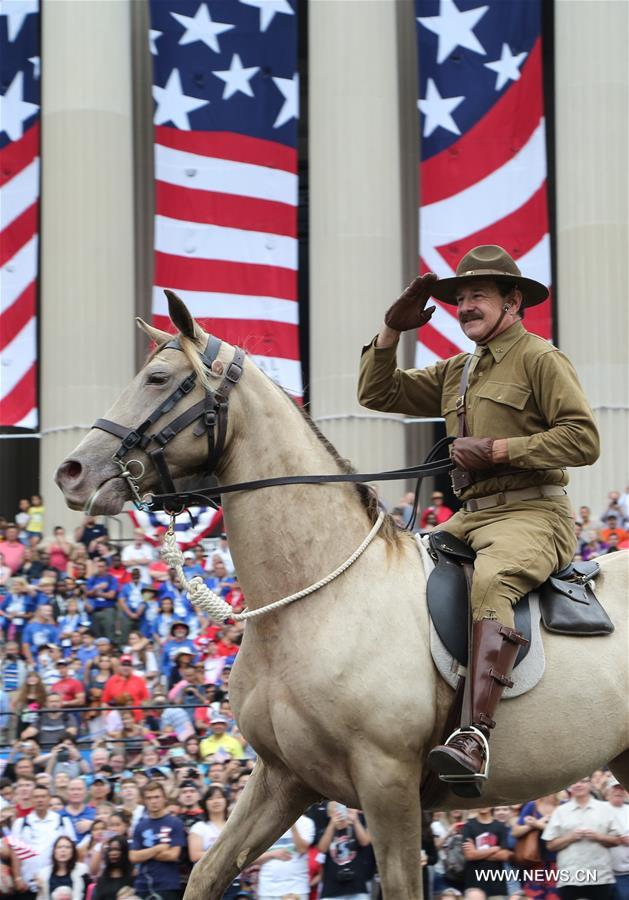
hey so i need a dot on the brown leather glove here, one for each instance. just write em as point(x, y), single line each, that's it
point(409, 312)
point(472, 454)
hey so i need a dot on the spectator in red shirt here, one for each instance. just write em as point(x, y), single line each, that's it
point(612, 528)
point(437, 506)
point(125, 682)
point(71, 690)
point(120, 573)
point(227, 645)
point(12, 549)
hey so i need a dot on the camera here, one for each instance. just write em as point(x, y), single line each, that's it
point(63, 755)
point(344, 874)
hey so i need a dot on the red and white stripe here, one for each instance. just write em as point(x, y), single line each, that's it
point(19, 224)
point(226, 242)
point(491, 190)
point(208, 522)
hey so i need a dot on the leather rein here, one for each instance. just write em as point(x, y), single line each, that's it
point(212, 412)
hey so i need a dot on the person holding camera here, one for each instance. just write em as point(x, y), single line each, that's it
point(348, 861)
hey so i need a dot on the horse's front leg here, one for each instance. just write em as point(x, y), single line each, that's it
point(271, 802)
point(389, 797)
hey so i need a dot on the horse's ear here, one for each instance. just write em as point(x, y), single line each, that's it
point(180, 316)
point(160, 337)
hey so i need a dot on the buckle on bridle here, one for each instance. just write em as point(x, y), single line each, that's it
point(233, 377)
point(188, 383)
point(131, 440)
point(209, 418)
point(165, 435)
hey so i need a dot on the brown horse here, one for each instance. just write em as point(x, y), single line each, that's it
point(338, 693)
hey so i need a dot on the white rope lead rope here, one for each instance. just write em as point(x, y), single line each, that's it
point(218, 609)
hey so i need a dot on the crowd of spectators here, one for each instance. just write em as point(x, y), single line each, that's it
point(121, 761)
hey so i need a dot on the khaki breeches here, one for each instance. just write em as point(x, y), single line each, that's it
point(517, 547)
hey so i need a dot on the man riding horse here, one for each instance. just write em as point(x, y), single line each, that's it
point(520, 417)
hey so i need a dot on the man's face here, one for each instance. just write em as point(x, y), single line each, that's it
point(479, 307)
point(99, 758)
point(76, 791)
point(23, 791)
point(580, 788)
point(101, 567)
point(46, 612)
point(54, 700)
point(616, 796)
point(12, 533)
point(189, 797)
point(41, 800)
point(155, 803)
point(129, 791)
point(502, 813)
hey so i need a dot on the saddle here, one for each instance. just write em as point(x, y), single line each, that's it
point(568, 604)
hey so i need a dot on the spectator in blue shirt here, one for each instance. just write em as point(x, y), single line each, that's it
point(102, 602)
point(16, 608)
point(132, 606)
point(182, 607)
point(41, 630)
point(158, 839)
point(80, 813)
point(179, 641)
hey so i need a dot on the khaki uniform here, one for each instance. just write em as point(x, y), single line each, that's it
point(527, 391)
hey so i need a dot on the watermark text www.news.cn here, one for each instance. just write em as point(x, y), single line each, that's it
point(580, 876)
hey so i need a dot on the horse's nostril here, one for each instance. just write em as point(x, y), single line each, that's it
point(72, 468)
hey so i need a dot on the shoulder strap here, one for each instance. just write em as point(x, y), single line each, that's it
point(460, 401)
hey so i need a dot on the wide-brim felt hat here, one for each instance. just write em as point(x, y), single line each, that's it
point(489, 261)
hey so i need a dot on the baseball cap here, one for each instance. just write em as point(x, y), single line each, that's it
point(613, 783)
point(126, 660)
point(184, 651)
point(188, 784)
point(103, 778)
point(157, 772)
point(102, 640)
point(217, 718)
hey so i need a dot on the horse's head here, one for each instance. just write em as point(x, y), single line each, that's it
point(166, 423)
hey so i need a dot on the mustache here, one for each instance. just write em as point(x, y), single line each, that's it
point(469, 318)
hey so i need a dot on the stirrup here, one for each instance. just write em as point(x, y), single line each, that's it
point(481, 776)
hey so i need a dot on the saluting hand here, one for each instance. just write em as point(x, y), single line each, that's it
point(409, 310)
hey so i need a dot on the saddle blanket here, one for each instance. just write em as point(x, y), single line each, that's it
point(526, 673)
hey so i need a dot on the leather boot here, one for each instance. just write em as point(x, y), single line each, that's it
point(492, 656)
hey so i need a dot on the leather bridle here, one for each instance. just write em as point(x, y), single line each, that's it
point(211, 410)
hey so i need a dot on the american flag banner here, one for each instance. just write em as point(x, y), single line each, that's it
point(226, 92)
point(197, 523)
point(19, 210)
point(22, 851)
point(483, 169)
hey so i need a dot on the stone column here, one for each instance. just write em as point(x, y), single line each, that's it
point(592, 205)
point(87, 248)
point(363, 209)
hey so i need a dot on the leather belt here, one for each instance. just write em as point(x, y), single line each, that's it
point(504, 497)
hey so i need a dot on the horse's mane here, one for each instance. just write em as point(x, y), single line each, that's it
point(366, 494)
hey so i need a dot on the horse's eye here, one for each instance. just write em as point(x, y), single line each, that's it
point(157, 378)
